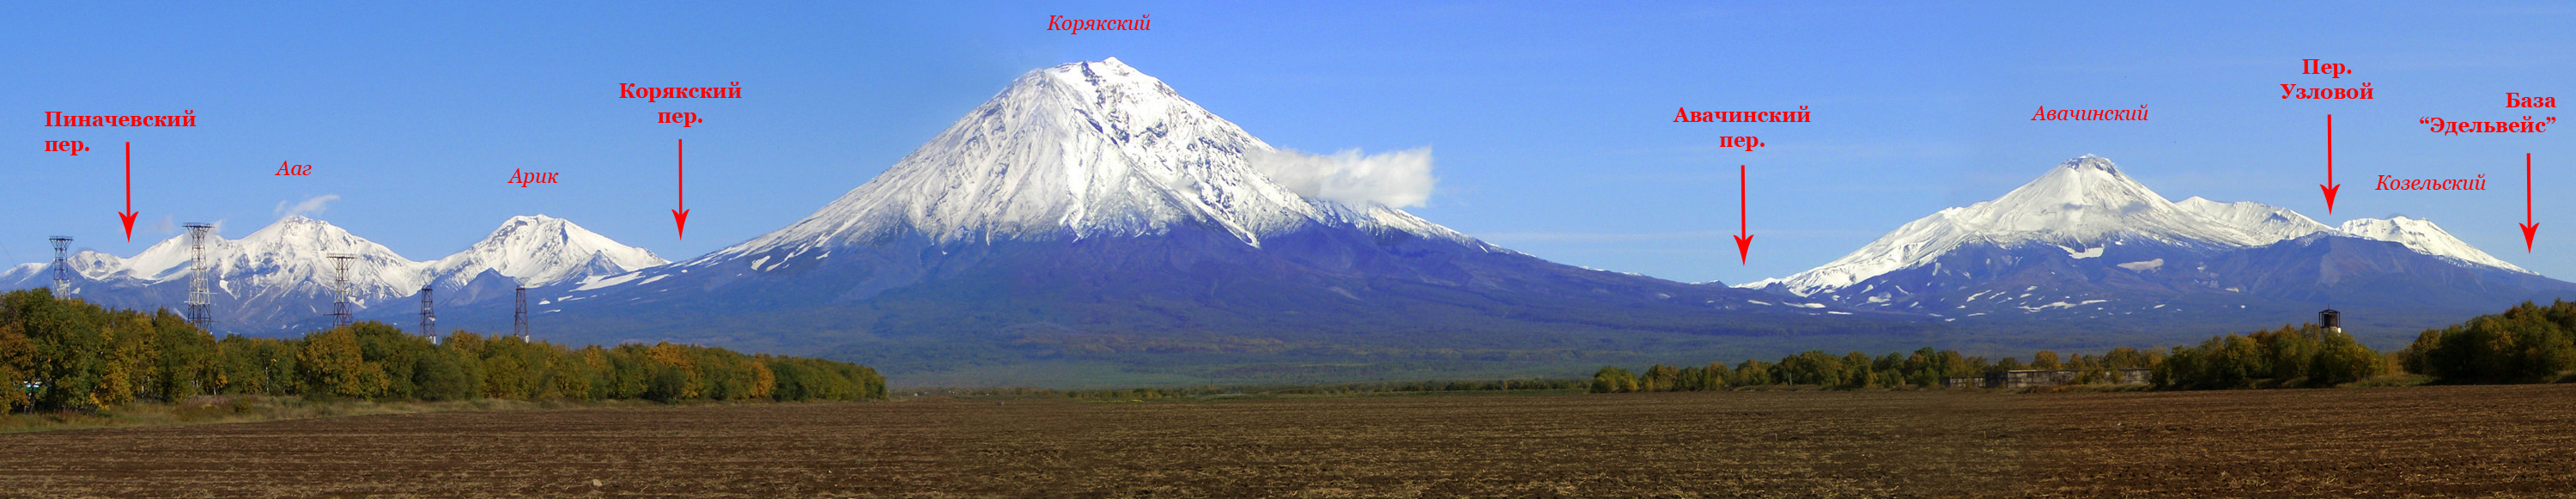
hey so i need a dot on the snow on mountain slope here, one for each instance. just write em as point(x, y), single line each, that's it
point(2423, 237)
point(2272, 224)
point(1077, 150)
point(2266, 223)
point(283, 272)
point(21, 276)
point(86, 264)
point(2079, 205)
point(540, 250)
point(2085, 203)
point(2086, 200)
point(290, 257)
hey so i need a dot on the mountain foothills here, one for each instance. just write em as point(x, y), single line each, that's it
point(2086, 248)
point(1089, 226)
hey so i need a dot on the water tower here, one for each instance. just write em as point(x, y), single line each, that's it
point(2331, 319)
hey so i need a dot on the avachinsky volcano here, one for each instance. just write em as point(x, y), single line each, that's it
point(2087, 250)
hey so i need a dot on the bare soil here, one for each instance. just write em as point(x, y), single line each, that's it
point(2413, 441)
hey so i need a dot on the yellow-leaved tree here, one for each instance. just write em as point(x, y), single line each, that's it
point(332, 365)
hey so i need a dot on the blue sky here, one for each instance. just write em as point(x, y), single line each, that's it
point(1550, 125)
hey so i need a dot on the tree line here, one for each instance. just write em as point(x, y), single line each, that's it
point(1332, 389)
point(2293, 356)
point(1925, 367)
point(2528, 343)
point(2308, 356)
point(60, 354)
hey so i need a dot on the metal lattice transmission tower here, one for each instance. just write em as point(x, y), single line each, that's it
point(428, 318)
point(340, 291)
point(62, 265)
point(199, 297)
point(519, 319)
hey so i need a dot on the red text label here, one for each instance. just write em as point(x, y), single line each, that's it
point(525, 178)
point(656, 94)
point(1072, 26)
point(74, 146)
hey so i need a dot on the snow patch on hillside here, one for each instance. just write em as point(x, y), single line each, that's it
point(2423, 237)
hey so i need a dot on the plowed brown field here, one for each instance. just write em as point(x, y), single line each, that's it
point(2444, 441)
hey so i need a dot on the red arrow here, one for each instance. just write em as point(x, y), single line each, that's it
point(680, 217)
point(2530, 228)
point(1743, 243)
point(128, 214)
point(2329, 187)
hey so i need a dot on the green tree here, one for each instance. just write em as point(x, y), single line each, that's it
point(257, 366)
point(188, 364)
point(17, 366)
point(2044, 360)
point(70, 353)
point(1612, 379)
point(1659, 378)
point(441, 375)
point(1753, 373)
point(2525, 344)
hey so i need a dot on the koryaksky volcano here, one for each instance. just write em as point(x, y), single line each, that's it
point(1089, 210)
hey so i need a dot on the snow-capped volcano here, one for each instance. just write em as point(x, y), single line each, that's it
point(540, 250)
point(1091, 198)
point(2423, 237)
point(2086, 248)
point(2086, 204)
point(289, 257)
point(2084, 201)
point(282, 276)
point(1079, 150)
point(279, 275)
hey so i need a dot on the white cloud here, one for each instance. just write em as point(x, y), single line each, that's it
point(311, 206)
point(1397, 179)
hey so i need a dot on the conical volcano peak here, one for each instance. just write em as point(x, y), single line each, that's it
point(2090, 162)
point(2083, 199)
point(307, 237)
point(2090, 181)
point(1105, 74)
point(1097, 86)
point(537, 219)
point(1078, 150)
point(538, 225)
point(2080, 204)
point(539, 250)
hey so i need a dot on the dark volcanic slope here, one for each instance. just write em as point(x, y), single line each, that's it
point(1088, 214)
point(1193, 297)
